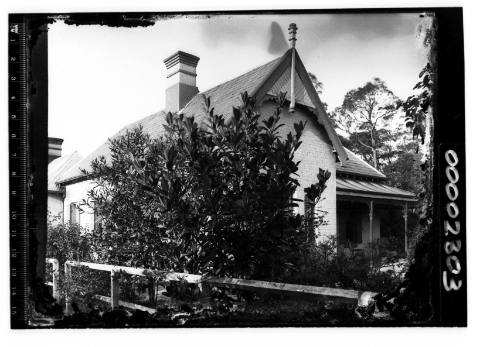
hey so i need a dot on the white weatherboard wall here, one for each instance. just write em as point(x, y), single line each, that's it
point(75, 193)
point(315, 152)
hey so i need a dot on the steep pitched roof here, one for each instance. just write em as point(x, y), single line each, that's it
point(58, 167)
point(357, 166)
point(227, 95)
point(223, 97)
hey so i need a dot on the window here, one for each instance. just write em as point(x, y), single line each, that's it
point(74, 213)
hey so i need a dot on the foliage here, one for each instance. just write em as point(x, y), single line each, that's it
point(67, 241)
point(223, 312)
point(404, 171)
point(418, 110)
point(415, 298)
point(127, 231)
point(366, 116)
point(210, 198)
point(417, 106)
point(326, 266)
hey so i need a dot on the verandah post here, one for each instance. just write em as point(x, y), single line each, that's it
point(371, 229)
point(405, 216)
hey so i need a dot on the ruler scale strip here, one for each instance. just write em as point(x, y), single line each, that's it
point(18, 166)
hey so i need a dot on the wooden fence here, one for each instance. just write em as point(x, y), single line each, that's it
point(361, 297)
point(55, 278)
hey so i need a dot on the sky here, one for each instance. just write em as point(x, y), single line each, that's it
point(103, 78)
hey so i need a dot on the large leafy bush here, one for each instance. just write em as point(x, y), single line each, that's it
point(211, 197)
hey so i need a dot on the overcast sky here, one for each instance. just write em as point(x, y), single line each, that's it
point(102, 78)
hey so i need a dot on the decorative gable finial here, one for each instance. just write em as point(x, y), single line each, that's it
point(292, 31)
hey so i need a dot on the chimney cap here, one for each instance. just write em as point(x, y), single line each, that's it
point(55, 141)
point(55, 148)
point(181, 57)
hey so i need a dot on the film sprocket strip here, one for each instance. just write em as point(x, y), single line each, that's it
point(28, 157)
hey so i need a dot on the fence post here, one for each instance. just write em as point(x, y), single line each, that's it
point(55, 280)
point(204, 288)
point(67, 277)
point(115, 289)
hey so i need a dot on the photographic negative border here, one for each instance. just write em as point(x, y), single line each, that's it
point(28, 141)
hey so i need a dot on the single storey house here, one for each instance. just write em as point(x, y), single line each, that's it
point(356, 197)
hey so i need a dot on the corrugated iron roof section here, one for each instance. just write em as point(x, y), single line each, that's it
point(375, 187)
point(353, 185)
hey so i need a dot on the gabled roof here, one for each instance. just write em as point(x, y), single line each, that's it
point(358, 167)
point(58, 167)
point(227, 95)
point(319, 109)
point(223, 97)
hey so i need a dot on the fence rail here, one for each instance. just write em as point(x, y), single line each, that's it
point(362, 297)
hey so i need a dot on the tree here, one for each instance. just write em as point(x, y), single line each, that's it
point(366, 116)
point(417, 299)
point(214, 199)
point(404, 171)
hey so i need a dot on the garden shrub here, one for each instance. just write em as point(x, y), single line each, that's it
point(66, 241)
point(323, 265)
point(214, 197)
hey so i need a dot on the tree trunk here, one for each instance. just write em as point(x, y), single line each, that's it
point(374, 150)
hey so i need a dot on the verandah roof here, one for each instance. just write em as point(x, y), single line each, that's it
point(374, 190)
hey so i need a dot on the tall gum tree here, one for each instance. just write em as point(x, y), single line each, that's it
point(365, 116)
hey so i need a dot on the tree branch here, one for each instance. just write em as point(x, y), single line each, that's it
point(364, 144)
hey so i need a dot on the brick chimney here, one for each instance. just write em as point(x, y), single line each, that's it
point(181, 80)
point(55, 148)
